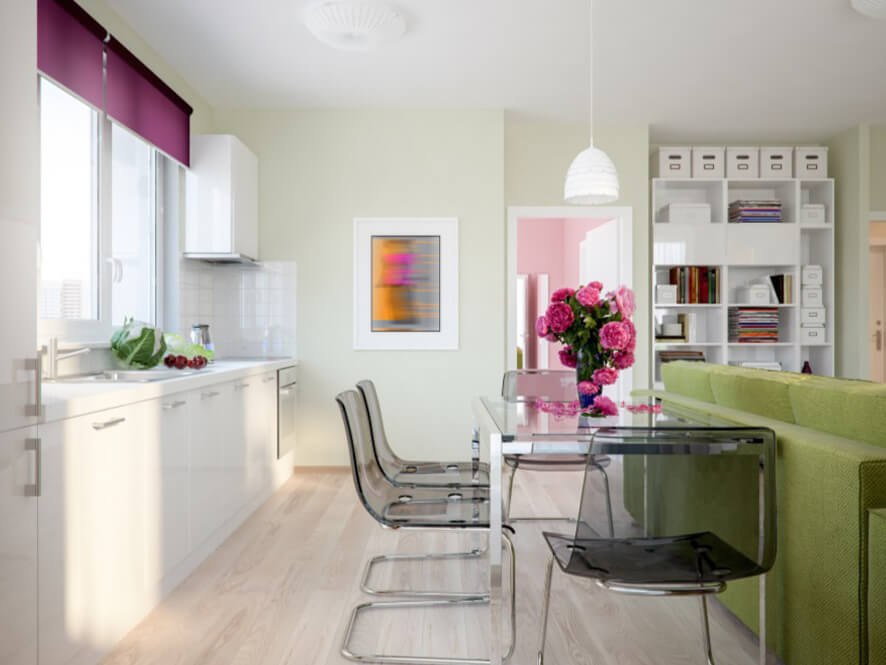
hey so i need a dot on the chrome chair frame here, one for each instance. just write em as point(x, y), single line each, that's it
point(352, 408)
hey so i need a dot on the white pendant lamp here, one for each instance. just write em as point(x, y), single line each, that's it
point(592, 178)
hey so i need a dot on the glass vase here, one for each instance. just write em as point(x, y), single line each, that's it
point(584, 371)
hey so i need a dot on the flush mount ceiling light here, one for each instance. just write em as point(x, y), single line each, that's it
point(592, 177)
point(353, 25)
point(872, 8)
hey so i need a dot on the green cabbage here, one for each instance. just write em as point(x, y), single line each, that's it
point(179, 346)
point(138, 345)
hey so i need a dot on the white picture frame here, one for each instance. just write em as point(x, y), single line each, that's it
point(446, 338)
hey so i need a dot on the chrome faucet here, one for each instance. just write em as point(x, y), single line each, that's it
point(53, 356)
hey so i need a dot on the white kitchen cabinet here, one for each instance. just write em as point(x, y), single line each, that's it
point(91, 534)
point(18, 548)
point(167, 479)
point(222, 199)
point(261, 407)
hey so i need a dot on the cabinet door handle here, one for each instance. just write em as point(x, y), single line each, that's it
point(37, 488)
point(242, 386)
point(269, 378)
point(208, 394)
point(108, 423)
point(36, 364)
point(174, 405)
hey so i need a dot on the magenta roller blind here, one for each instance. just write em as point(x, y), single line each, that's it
point(136, 98)
point(69, 48)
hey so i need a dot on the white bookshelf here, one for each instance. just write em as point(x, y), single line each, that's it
point(745, 253)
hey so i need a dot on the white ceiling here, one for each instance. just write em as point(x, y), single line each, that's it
point(695, 70)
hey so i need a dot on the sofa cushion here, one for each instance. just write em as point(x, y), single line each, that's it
point(758, 391)
point(845, 407)
point(691, 379)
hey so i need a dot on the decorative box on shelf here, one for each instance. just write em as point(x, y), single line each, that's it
point(708, 162)
point(812, 316)
point(742, 162)
point(687, 213)
point(811, 275)
point(811, 162)
point(811, 296)
point(666, 294)
point(753, 294)
point(776, 163)
point(813, 334)
point(813, 213)
point(673, 163)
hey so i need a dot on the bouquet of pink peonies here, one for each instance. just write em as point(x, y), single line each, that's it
point(598, 336)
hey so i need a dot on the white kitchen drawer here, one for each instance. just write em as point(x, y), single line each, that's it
point(776, 162)
point(708, 162)
point(742, 162)
point(812, 296)
point(689, 244)
point(762, 244)
point(813, 334)
point(813, 316)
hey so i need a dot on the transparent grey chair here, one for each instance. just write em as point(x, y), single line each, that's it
point(407, 473)
point(700, 512)
point(530, 385)
point(398, 507)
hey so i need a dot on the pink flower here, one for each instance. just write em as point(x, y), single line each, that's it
point(615, 335)
point(588, 388)
point(567, 357)
point(596, 285)
point(604, 406)
point(605, 376)
point(560, 317)
point(588, 296)
point(562, 294)
point(632, 335)
point(624, 300)
point(541, 326)
point(623, 359)
point(552, 337)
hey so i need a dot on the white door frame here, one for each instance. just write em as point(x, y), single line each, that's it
point(621, 215)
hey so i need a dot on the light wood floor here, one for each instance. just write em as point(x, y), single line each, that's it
point(280, 590)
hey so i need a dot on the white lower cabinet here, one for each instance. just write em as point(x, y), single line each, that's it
point(91, 534)
point(132, 499)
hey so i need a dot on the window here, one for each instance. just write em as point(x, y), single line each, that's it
point(69, 206)
point(101, 225)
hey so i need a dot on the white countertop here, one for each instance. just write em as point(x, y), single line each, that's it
point(69, 399)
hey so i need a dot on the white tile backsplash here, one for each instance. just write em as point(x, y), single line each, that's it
point(250, 309)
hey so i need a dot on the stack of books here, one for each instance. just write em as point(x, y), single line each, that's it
point(753, 325)
point(744, 211)
point(696, 285)
point(671, 356)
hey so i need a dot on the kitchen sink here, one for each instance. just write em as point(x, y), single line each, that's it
point(125, 376)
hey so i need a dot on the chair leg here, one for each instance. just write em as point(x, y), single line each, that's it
point(441, 602)
point(706, 630)
point(509, 494)
point(410, 593)
point(546, 601)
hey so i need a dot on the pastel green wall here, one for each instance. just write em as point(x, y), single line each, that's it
point(537, 155)
point(878, 168)
point(321, 169)
point(849, 163)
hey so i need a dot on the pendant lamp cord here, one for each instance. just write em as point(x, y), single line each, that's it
point(591, 75)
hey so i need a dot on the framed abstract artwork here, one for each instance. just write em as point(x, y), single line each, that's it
point(406, 283)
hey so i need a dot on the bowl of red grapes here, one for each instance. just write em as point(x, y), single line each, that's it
point(174, 361)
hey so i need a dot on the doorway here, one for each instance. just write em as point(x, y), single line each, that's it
point(878, 301)
point(553, 247)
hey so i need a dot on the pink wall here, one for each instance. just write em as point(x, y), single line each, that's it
point(549, 245)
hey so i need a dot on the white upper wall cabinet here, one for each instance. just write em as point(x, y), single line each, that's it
point(222, 199)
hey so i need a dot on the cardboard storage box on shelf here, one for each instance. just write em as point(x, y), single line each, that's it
point(687, 213)
point(776, 162)
point(811, 162)
point(812, 316)
point(811, 275)
point(753, 294)
point(708, 162)
point(811, 296)
point(813, 213)
point(813, 334)
point(742, 162)
point(672, 163)
point(666, 294)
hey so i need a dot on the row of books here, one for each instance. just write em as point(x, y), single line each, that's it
point(671, 356)
point(746, 211)
point(783, 287)
point(753, 325)
point(696, 285)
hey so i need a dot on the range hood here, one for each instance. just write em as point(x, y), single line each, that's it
point(221, 257)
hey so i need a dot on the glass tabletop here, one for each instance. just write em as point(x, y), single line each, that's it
point(525, 421)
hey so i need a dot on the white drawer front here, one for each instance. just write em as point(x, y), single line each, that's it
point(762, 244)
point(689, 244)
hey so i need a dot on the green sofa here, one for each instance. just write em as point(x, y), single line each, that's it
point(826, 596)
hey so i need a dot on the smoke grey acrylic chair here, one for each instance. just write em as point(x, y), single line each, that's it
point(700, 512)
point(530, 385)
point(428, 508)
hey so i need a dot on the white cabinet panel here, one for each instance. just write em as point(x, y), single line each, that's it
point(261, 407)
point(763, 244)
point(18, 549)
point(689, 244)
point(212, 423)
point(91, 530)
point(167, 450)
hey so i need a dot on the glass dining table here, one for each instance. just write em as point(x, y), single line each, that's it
point(514, 428)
